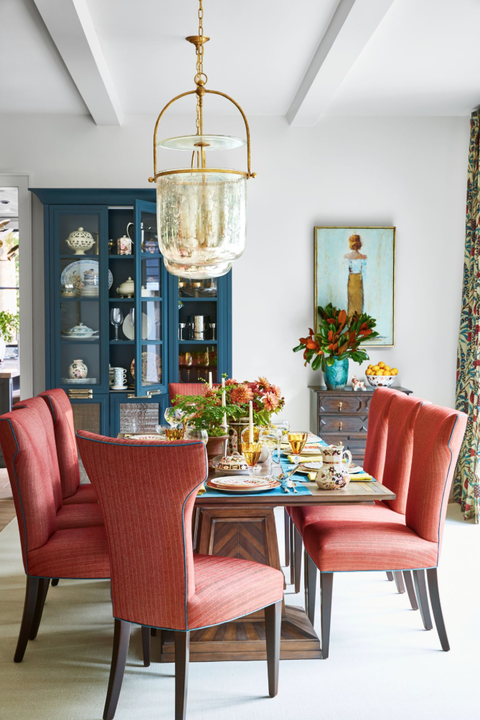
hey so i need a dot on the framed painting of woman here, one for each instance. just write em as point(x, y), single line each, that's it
point(355, 271)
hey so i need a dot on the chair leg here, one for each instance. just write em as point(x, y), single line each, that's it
point(389, 576)
point(31, 594)
point(146, 645)
point(297, 558)
point(121, 640)
point(310, 570)
point(326, 587)
point(153, 632)
point(42, 594)
point(273, 623)
point(432, 577)
point(400, 585)
point(286, 520)
point(407, 576)
point(182, 656)
point(422, 597)
point(54, 582)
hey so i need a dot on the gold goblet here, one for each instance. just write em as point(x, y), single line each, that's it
point(251, 452)
point(298, 440)
point(174, 433)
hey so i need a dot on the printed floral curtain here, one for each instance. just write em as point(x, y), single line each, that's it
point(466, 488)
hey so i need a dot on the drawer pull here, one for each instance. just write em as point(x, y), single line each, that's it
point(340, 426)
point(80, 394)
point(340, 406)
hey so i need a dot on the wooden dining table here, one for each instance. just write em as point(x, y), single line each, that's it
point(243, 526)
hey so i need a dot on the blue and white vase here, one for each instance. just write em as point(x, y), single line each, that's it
point(336, 375)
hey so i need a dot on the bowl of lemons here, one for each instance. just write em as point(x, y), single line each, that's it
point(380, 375)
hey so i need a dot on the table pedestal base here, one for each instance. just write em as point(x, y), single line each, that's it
point(245, 640)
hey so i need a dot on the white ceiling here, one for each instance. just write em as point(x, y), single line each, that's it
point(423, 58)
point(33, 77)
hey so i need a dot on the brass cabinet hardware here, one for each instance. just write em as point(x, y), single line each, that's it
point(80, 394)
point(340, 405)
point(340, 426)
point(148, 396)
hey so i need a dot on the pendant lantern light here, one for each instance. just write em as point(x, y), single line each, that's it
point(201, 211)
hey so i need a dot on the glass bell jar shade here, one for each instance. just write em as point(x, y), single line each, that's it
point(197, 272)
point(201, 219)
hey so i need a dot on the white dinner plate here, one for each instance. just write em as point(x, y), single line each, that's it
point(129, 328)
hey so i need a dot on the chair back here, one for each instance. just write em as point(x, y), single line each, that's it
point(147, 493)
point(41, 409)
point(377, 432)
point(437, 441)
point(175, 389)
point(402, 415)
point(25, 447)
point(61, 412)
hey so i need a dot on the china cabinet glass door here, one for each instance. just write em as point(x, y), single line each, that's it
point(150, 368)
point(79, 290)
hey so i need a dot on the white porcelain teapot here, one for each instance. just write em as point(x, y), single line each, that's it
point(333, 476)
point(127, 288)
point(335, 454)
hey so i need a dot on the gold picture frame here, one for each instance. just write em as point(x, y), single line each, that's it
point(354, 280)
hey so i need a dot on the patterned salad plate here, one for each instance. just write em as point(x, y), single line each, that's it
point(243, 484)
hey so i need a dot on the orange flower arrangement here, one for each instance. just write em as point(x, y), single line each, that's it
point(338, 337)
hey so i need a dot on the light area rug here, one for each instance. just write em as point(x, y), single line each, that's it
point(382, 663)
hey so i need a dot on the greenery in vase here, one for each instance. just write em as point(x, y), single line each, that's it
point(9, 325)
point(207, 412)
point(338, 337)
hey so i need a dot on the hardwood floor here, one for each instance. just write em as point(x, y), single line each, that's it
point(7, 508)
point(7, 512)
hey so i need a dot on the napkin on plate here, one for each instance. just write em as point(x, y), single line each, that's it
point(305, 458)
point(360, 477)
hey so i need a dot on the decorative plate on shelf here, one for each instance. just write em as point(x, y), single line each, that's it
point(244, 484)
point(129, 328)
point(150, 438)
point(73, 273)
point(151, 368)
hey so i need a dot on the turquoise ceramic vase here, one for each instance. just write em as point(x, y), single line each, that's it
point(336, 375)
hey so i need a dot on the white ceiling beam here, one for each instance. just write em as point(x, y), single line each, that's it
point(350, 29)
point(71, 28)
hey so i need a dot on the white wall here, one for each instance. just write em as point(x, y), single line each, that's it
point(407, 172)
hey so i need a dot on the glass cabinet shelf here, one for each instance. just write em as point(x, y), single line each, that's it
point(183, 299)
point(197, 342)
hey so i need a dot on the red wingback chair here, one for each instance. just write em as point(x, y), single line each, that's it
point(390, 445)
point(68, 516)
point(175, 389)
point(61, 411)
point(47, 551)
point(377, 434)
point(382, 542)
point(173, 589)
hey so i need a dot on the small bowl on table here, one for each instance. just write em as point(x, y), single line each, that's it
point(380, 380)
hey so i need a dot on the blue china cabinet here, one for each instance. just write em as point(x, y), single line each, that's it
point(169, 329)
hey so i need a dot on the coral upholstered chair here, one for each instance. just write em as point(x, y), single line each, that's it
point(47, 551)
point(365, 543)
point(68, 516)
point(377, 433)
point(175, 389)
point(173, 589)
point(60, 408)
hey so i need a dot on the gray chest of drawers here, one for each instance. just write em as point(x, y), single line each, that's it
point(341, 416)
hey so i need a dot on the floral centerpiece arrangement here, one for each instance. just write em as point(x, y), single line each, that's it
point(336, 341)
point(208, 413)
point(224, 408)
